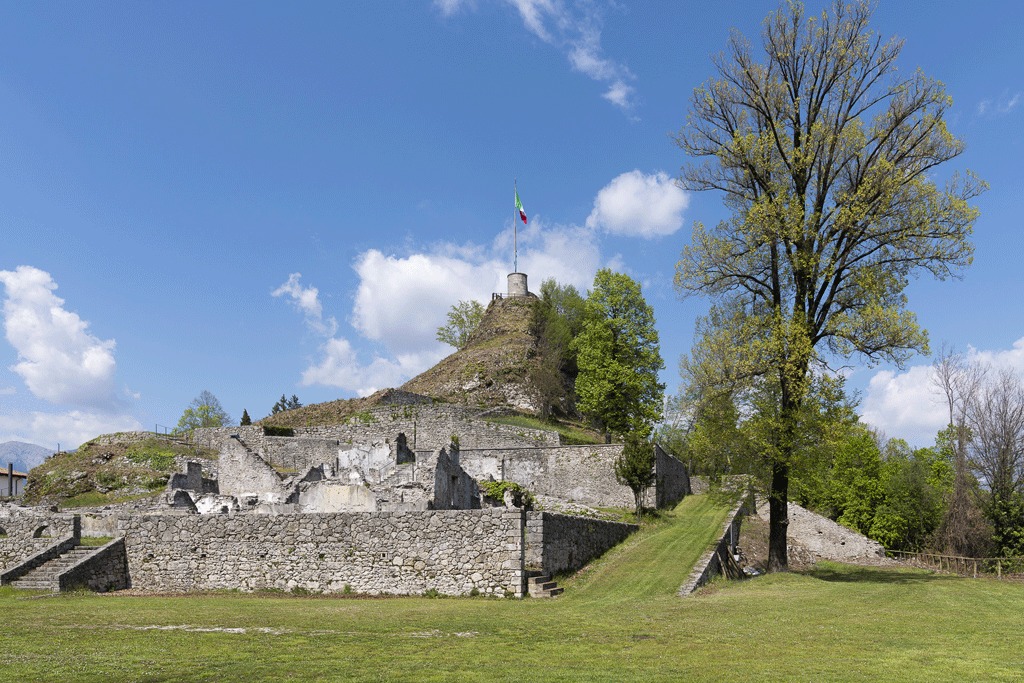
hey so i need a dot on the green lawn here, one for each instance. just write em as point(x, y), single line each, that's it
point(619, 621)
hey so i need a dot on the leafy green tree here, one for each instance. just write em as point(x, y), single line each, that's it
point(204, 411)
point(463, 318)
point(827, 157)
point(617, 352)
point(557, 319)
point(634, 467)
point(246, 420)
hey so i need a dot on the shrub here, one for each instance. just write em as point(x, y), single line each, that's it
point(495, 490)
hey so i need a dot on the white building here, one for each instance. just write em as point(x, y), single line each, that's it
point(12, 482)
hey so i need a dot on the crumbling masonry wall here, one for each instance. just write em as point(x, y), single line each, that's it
point(450, 551)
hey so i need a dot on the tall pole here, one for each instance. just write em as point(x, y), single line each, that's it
point(515, 228)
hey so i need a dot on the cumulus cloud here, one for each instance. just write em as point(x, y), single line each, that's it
point(59, 360)
point(340, 366)
point(908, 405)
point(69, 429)
point(401, 300)
point(575, 29)
point(307, 300)
point(639, 205)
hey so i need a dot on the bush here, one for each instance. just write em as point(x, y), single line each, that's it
point(495, 490)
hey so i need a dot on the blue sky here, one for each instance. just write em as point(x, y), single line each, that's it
point(267, 198)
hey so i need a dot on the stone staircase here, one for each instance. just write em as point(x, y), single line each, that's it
point(540, 585)
point(44, 577)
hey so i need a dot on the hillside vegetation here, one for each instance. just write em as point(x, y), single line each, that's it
point(110, 469)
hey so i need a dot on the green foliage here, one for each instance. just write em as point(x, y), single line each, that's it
point(153, 454)
point(556, 320)
point(463, 318)
point(275, 430)
point(246, 420)
point(204, 411)
point(618, 357)
point(634, 467)
point(495, 490)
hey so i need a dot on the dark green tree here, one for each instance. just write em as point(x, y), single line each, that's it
point(204, 411)
point(463, 318)
point(246, 420)
point(827, 158)
point(618, 356)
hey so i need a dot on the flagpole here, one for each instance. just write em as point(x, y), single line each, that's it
point(515, 229)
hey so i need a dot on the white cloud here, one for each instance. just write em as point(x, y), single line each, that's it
point(639, 205)
point(69, 429)
point(8, 391)
point(402, 300)
point(59, 360)
point(340, 367)
point(908, 405)
point(307, 300)
point(905, 405)
point(1000, 106)
point(575, 29)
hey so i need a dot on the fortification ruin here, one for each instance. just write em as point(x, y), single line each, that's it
point(386, 503)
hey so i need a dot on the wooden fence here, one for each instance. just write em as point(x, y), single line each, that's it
point(1000, 567)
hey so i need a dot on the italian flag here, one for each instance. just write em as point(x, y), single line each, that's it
point(519, 207)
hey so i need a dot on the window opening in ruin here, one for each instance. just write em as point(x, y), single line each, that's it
point(3, 532)
point(41, 532)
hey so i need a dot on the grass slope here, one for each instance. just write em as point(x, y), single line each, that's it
point(618, 621)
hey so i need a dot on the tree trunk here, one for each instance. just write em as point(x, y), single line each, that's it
point(778, 518)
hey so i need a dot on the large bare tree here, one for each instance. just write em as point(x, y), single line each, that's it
point(826, 155)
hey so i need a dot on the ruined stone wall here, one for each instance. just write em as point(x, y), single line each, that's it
point(427, 427)
point(243, 473)
point(563, 543)
point(579, 474)
point(452, 552)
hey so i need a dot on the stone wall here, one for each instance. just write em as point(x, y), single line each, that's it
point(427, 427)
point(578, 474)
point(25, 532)
point(106, 570)
point(563, 543)
point(672, 480)
point(452, 552)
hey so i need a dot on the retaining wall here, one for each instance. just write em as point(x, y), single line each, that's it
point(452, 552)
point(717, 558)
point(563, 543)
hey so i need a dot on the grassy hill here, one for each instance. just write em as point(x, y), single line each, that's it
point(110, 469)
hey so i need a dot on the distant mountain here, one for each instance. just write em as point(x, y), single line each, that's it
point(25, 456)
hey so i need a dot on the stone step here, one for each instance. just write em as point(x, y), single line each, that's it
point(547, 593)
point(36, 585)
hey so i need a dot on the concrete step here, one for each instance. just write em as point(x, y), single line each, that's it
point(540, 585)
